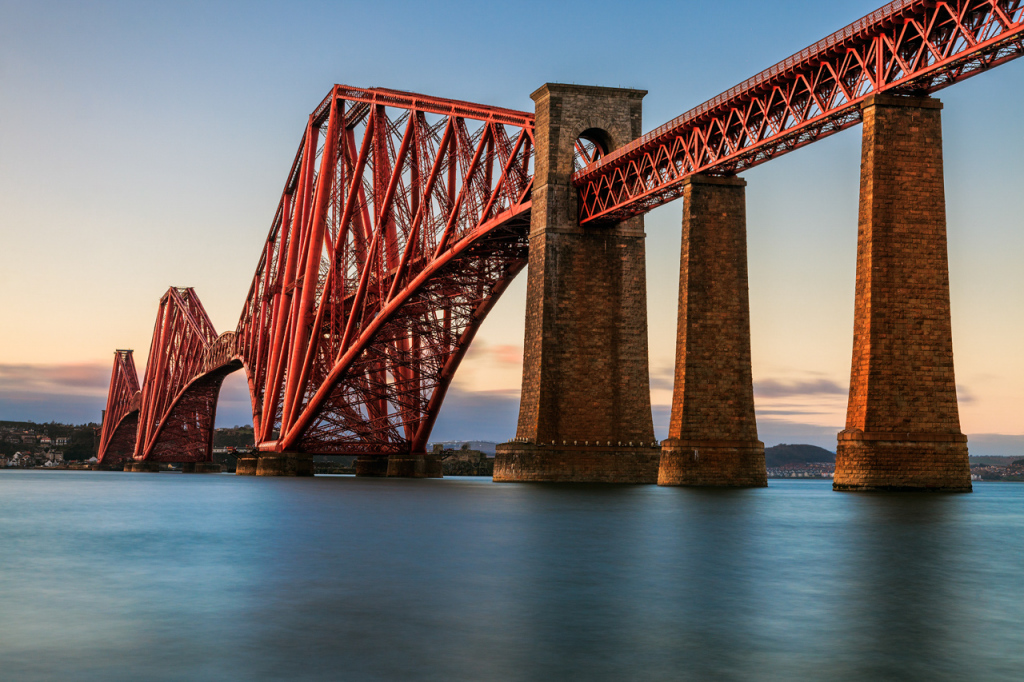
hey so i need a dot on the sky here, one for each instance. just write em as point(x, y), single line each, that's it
point(144, 145)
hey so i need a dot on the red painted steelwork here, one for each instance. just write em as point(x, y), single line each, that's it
point(908, 46)
point(403, 219)
point(121, 418)
point(179, 391)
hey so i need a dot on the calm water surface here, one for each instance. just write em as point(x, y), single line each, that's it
point(111, 576)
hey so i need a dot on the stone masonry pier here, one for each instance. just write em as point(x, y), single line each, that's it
point(586, 405)
point(902, 422)
point(712, 433)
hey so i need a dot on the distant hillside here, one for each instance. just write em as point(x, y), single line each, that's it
point(240, 436)
point(783, 454)
point(484, 446)
point(995, 461)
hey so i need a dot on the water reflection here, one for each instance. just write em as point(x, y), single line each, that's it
point(160, 576)
point(903, 598)
point(583, 583)
point(712, 542)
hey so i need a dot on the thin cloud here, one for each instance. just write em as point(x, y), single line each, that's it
point(74, 379)
point(507, 354)
point(963, 395)
point(663, 378)
point(477, 415)
point(74, 393)
point(77, 393)
point(772, 431)
point(774, 388)
point(789, 413)
point(234, 406)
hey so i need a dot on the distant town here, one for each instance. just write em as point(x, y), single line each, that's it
point(27, 445)
point(809, 461)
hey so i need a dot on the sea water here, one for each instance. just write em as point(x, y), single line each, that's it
point(114, 576)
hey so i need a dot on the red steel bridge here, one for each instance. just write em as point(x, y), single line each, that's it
point(404, 217)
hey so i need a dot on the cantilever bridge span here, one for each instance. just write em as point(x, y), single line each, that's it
point(402, 220)
point(404, 217)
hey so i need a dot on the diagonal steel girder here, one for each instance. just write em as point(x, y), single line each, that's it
point(906, 47)
point(403, 219)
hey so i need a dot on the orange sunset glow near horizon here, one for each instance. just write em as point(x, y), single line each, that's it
point(146, 146)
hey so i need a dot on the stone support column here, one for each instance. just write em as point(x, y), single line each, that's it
point(142, 466)
point(201, 468)
point(414, 465)
point(284, 464)
point(713, 434)
point(586, 407)
point(398, 466)
point(246, 466)
point(371, 466)
point(902, 422)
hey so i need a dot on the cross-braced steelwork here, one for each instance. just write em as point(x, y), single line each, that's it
point(121, 418)
point(179, 392)
point(403, 219)
point(908, 47)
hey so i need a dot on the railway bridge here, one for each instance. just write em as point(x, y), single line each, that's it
point(404, 217)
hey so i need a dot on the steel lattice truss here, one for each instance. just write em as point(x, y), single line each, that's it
point(121, 418)
point(179, 392)
point(403, 219)
point(906, 47)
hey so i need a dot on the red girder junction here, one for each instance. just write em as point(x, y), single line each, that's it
point(403, 218)
point(121, 418)
point(906, 47)
point(183, 376)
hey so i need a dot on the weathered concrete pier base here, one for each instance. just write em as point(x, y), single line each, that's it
point(421, 465)
point(201, 468)
point(372, 466)
point(246, 466)
point(585, 373)
point(413, 465)
point(713, 433)
point(908, 462)
point(567, 464)
point(285, 464)
point(119, 466)
point(142, 467)
point(723, 464)
point(902, 421)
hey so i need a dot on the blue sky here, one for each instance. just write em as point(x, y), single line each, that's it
point(144, 145)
